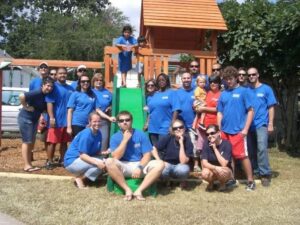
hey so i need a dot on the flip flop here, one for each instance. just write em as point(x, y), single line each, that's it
point(128, 197)
point(139, 197)
point(31, 169)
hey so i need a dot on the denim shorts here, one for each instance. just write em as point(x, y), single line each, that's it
point(28, 129)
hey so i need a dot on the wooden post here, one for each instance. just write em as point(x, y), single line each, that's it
point(202, 66)
point(209, 67)
point(107, 69)
point(166, 64)
point(146, 67)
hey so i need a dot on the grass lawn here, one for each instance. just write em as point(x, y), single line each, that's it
point(43, 201)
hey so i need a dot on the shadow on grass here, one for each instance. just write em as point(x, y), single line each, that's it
point(168, 187)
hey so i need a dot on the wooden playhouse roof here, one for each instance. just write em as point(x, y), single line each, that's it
point(195, 14)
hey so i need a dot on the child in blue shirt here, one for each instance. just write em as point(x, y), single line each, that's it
point(126, 43)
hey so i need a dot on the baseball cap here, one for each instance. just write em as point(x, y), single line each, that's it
point(43, 63)
point(81, 67)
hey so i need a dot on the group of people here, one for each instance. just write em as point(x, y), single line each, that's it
point(213, 121)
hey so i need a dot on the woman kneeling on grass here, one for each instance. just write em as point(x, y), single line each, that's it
point(216, 159)
point(83, 156)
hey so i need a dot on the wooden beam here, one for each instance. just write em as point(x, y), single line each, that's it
point(55, 63)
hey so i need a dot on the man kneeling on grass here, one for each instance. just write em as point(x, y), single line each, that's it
point(216, 159)
point(131, 155)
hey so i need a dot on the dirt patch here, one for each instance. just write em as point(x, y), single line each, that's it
point(11, 158)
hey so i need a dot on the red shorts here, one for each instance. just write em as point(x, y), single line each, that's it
point(58, 135)
point(239, 144)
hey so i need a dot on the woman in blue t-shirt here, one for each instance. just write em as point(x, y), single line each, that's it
point(81, 103)
point(163, 108)
point(104, 99)
point(83, 158)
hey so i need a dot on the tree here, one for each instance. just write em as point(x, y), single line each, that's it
point(267, 35)
point(72, 30)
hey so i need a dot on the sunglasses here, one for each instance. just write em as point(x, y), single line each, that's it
point(43, 67)
point(82, 70)
point(216, 70)
point(124, 120)
point(242, 74)
point(84, 81)
point(211, 133)
point(252, 74)
point(150, 85)
point(195, 66)
point(177, 128)
point(53, 74)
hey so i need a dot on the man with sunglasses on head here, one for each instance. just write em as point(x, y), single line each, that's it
point(264, 102)
point(131, 158)
point(81, 69)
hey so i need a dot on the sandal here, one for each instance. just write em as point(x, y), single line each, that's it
point(32, 169)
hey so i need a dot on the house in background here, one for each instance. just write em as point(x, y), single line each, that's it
point(16, 76)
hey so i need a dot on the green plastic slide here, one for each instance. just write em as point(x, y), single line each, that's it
point(132, 100)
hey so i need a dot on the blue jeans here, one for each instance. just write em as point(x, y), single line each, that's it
point(28, 129)
point(258, 151)
point(104, 128)
point(179, 171)
point(80, 167)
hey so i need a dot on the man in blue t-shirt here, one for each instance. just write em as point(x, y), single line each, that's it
point(234, 115)
point(36, 83)
point(264, 102)
point(131, 157)
point(186, 98)
point(57, 110)
point(194, 71)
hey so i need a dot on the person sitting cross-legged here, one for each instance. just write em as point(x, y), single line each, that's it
point(175, 150)
point(131, 157)
point(216, 159)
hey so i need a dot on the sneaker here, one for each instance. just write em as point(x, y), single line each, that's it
point(265, 181)
point(49, 165)
point(231, 184)
point(250, 186)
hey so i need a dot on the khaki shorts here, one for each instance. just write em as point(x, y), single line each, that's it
point(128, 167)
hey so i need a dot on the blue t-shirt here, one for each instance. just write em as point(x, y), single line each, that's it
point(263, 99)
point(125, 56)
point(36, 99)
point(82, 106)
point(35, 84)
point(74, 84)
point(84, 142)
point(234, 105)
point(137, 146)
point(60, 97)
point(224, 148)
point(186, 99)
point(170, 148)
point(103, 98)
point(161, 107)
